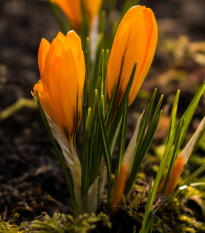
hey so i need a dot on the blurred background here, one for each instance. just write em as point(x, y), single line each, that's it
point(31, 180)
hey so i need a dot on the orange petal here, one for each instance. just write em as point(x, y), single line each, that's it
point(42, 53)
point(44, 98)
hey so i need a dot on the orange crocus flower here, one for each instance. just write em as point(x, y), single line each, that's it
point(62, 70)
point(135, 41)
point(72, 10)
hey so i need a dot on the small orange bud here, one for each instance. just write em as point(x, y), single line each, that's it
point(120, 186)
point(174, 177)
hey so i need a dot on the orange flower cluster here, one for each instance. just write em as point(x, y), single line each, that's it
point(62, 66)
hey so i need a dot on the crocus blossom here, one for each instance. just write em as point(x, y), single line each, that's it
point(62, 70)
point(72, 10)
point(135, 41)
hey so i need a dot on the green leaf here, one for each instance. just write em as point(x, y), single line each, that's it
point(144, 141)
point(149, 225)
point(172, 127)
point(120, 109)
point(105, 143)
point(187, 116)
point(148, 211)
point(111, 105)
point(171, 159)
point(122, 138)
point(85, 157)
point(59, 155)
point(87, 82)
point(173, 115)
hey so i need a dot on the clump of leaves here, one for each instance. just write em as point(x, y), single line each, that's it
point(62, 223)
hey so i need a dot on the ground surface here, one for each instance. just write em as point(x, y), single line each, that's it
point(29, 170)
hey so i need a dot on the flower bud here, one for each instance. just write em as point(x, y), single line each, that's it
point(62, 70)
point(135, 41)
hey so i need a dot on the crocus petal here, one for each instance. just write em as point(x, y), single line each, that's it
point(135, 41)
point(44, 97)
point(42, 53)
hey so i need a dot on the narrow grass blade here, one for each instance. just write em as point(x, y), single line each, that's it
point(105, 143)
point(122, 137)
point(120, 109)
point(148, 210)
point(85, 157)
point(111, 105)
point(187, 116)
point(144, 141)
point(128, 157)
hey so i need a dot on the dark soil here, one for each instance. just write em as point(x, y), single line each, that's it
point(29, 169)
point(31, 180)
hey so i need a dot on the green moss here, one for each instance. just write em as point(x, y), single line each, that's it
point(190, 221)
point(61, 223)
point(10, 227)
point(184, 214)
point(135, 207)
point(180, 216)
